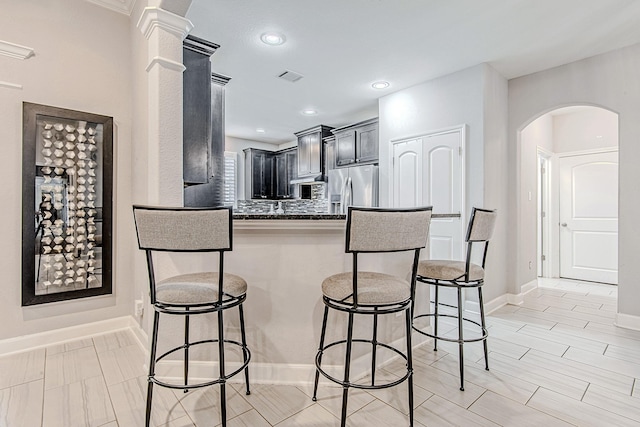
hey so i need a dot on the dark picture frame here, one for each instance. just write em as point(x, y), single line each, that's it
point(75, 201)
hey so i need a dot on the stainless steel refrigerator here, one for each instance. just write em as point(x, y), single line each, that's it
point(353, 186)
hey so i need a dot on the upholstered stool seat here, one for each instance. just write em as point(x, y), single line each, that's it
point(449, 270)
point(462, 276)
point(374, 294)
point(373, 288)
point(198, 288)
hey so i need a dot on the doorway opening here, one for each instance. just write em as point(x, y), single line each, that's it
point(574, 151)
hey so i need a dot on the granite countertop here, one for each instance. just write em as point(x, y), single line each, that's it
point(287, 216)
point(308, 216)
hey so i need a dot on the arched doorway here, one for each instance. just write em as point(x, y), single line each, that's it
point(568, 183)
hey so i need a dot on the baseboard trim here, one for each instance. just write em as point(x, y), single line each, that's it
point(513, 299)
point(62, 335)
point(627, 321)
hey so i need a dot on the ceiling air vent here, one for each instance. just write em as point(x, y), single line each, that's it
point(290, 76)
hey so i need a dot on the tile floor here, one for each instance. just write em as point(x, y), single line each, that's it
point(556, 360)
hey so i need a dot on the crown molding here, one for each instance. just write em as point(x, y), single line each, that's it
point(15, 50)
point(154, 17)
point(10, 85)
point(166, 63)
point(121, 6)
point(219, 79)
point(198, 45)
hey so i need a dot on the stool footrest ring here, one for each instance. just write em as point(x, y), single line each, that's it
point(483, 337)
point(356, 385)
point(245, 353)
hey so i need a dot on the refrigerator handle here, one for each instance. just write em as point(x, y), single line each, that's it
point(343, 191)
point(348, 195)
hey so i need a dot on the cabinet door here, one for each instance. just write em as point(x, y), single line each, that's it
point(262, 186)
point(367, 144)
point(292, 171)
point(315, 153)
point(329, 154)
point(304, 154)
point(345, 148)
point(282, 181)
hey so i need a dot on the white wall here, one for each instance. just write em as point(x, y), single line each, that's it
point(495, 141)
point(610, 81)
point(80, 64)
point(538, 134)
point(475, 97)
point(589, 129)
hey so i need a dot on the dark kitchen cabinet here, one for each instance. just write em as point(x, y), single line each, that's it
point(286, 169)
point(329, 153)
point(345, 147)
point(258, 173)
point(357, 143)
point(203, 127)
point(310, 151)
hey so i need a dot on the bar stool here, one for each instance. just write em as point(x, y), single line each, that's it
point(460, 275)
point(192, 230)
point(374, 230)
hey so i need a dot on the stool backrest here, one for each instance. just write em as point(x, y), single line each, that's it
point(387, 230)
point(481, 225)
point(183, 229)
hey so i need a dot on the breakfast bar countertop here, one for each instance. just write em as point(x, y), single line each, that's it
point(287, 216)
point(307, 216)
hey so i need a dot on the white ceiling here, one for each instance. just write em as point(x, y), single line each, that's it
point(342, 46)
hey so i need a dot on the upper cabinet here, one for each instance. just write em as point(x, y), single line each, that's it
point(329, 153)
point(268, 174)
point(258, 173)
point(310, 150)
point(286, 169)
point(203, 106)
point(357, 143)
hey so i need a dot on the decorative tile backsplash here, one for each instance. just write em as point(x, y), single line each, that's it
point(297, 206)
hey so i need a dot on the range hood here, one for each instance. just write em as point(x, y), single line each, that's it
point(308, 179)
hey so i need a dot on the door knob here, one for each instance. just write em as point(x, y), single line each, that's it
point(564, 224)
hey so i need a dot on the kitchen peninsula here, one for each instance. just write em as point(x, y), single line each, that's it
point(284, 258)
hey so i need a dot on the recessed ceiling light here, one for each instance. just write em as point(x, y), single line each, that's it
point(380, 85)
point(273, 39)
point(309, 112)
point(260, 130)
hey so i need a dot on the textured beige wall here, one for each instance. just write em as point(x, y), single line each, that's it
point(82, 62)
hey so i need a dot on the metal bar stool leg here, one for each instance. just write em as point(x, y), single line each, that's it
point(374, 343)
point(152, 366)
point(460, 339)
point(410, 365)
point(347, 366)
point(484, 328)
point(435, 320)
point(244, 344)
point(223, 396)
point(186, 349)
point(322, 334)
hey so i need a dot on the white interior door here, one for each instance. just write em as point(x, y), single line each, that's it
point(589, 217)
point(407, 173)
point(442, 188)
point(428, 171)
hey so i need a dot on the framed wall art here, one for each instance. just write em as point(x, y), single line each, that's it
point(67, 193)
